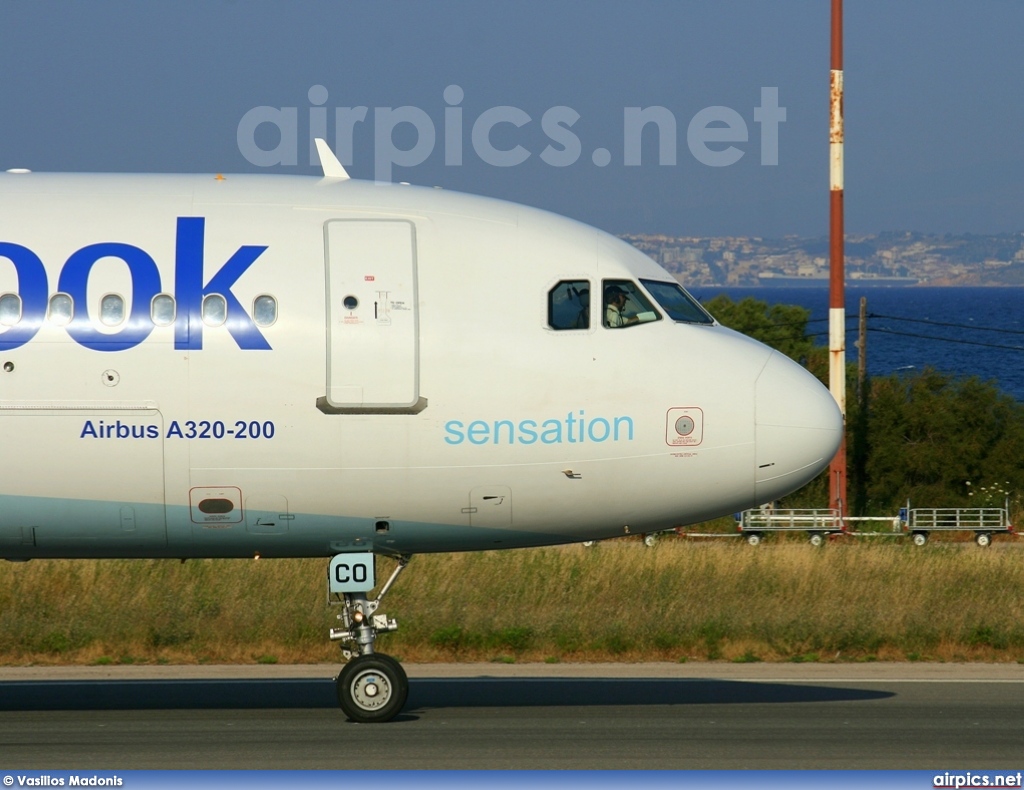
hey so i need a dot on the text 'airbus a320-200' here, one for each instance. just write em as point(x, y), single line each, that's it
point(287, 366)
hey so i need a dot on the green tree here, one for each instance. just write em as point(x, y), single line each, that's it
point(935, 438)
point(783, 327)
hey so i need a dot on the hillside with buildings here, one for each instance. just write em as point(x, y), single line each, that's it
point(891, 258)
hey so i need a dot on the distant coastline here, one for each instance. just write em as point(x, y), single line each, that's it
point(772, 280)
point(891, 259)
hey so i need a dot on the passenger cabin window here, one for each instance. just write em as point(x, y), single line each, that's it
point(215, 310)
point(10, 309)
point(679, 305)
point(264, 310)
point(625, 305)
point(162, 310)
point(111, 309)
point(61, 309)
point(569, 305)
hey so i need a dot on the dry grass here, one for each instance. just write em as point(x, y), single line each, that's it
point(618, 601)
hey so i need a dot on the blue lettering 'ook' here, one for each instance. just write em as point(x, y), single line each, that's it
point(189, 291)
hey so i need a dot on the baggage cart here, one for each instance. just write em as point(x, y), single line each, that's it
point(984, 522)
point(817, 523)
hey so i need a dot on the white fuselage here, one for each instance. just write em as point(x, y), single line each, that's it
point(386, 377)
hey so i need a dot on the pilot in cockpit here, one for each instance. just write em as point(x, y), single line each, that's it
point(614, 307)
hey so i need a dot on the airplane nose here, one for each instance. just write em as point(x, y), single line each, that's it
point(799, 428)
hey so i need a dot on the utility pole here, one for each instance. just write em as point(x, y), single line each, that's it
point(837, 275)
point(859, 428)
point(862, 350)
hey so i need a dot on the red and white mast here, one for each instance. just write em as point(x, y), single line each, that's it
point(837, 276)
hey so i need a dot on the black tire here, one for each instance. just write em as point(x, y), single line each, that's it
point(372, 688)
point(817, 539)
point(754, 538)
point(983, 539)
point(919, 538)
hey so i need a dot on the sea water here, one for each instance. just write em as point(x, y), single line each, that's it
point(969, 348)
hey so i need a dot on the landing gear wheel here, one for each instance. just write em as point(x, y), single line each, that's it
point(372, 688)
point(754, 539)
point(650, 541)
point(817, 539)
point(983, 539)
point(919, 538)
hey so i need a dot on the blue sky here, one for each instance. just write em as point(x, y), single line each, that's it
point(934, 103)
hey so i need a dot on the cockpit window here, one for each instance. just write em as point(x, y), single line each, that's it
point(569, 305)
point(679, 305)
point(625, 305)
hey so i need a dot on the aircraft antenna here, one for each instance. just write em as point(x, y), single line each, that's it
point(329, 162)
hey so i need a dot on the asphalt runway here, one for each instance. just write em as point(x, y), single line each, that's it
point(714, 716)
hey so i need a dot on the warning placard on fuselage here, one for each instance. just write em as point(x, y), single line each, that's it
point(684, 427)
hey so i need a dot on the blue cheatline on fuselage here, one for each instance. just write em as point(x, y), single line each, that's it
point(80, 528)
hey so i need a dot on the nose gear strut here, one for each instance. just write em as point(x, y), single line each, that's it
point(372, 687)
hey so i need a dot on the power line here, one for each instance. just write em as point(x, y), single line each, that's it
point(946, 323)
point(927, 337)
point(853, 317)
point(886, 331)
point(944, 339)
point(911, 334)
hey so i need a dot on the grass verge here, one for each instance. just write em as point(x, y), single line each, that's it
point(618, 601)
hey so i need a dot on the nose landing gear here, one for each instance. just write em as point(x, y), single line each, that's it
point(372, 687)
